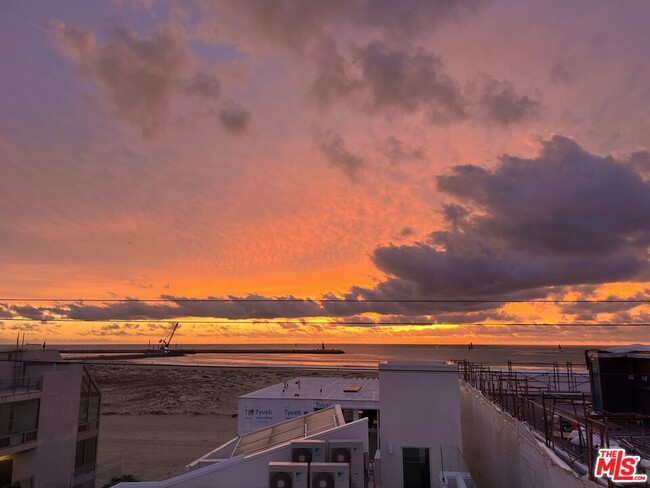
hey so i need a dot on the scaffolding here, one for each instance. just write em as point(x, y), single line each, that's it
point(555, 401)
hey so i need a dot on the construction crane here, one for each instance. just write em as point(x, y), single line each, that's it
point(166, 343)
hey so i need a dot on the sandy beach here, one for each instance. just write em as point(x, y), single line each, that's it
point(157, 419)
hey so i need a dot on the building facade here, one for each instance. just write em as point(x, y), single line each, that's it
point(49, 421)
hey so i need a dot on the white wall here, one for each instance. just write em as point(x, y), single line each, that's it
point(57, 428)
point(52, 461)
point(419, 407)
point(258, 413)
point(501, 451)
point(24, 465)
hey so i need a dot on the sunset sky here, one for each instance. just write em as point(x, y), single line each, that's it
point(485, 152)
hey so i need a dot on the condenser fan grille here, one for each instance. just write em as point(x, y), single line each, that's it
point(341, 455)
point(322, 480)
point(301, 455)
point(280, 480)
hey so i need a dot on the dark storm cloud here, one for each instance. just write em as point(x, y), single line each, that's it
point(247, 307)
point(612, 304)
point(454, 214)
point(485, 269)
point(499, 103)
point(409, 82)
point(387, 73)
point(388, 81)
point(31, 312)
point(563, 70)
point(640, 161)
point(204, 86)
point(127, 329)
point(142, 77)
point(139, 76)
point(564, 201)
point(296, 24)
point(397, 151)
point(567, 217)
point(464, 317)
point(5, 312)
point(385, 80)
point(333, 80)
point(234, 118)
point(337, 154)
point(406, 17)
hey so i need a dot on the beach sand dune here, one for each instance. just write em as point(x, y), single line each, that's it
point(157, 419)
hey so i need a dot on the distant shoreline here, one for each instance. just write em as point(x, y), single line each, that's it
point(115, 354)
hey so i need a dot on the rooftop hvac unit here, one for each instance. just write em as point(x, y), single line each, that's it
point(329, 475)
point(288, 475)
point(352, 453)
point(308, 451)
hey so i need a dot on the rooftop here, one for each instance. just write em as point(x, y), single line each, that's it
point(277, 435)
point(319, 388)
point(298, 428)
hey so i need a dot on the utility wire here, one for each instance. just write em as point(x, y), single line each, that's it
point(342, 322)
point(319, 300)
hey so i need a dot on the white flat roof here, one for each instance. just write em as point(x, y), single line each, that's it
point(319, 388)
point(627, 349)
point(401, 365)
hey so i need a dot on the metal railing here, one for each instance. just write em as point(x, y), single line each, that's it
point(87, 469)
point(87, 426)
point(24, 483)
point(555, 404)
point(20, 384)
point(18, 438)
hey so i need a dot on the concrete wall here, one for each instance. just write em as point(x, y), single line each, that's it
point(501, 451)
point(51, 457)
point(419, 407)
point(57, 430)
point(24, 465)
point(250, 472)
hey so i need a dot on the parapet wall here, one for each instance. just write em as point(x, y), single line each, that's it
point(501, 451)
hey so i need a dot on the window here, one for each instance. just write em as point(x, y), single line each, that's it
point(18, 422)
point(85, 456)
point(88, 403)
point(348, 415)
point(417, 473)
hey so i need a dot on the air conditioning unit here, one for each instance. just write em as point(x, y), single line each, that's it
point(308, 451)
point(329, 475)
point(353, 453)
point(288, 475)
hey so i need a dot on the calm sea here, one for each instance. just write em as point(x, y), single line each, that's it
point(369, 355)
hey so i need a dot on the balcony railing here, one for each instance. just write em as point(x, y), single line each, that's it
point(18, 438)
point(24, 483)
point(90, 425)
point(20, 384)
point(87, 469)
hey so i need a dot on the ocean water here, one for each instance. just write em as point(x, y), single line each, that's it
point(368, 356)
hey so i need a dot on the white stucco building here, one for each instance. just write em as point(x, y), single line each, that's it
point(415, 418)
point(420, 416)
point(49, 421)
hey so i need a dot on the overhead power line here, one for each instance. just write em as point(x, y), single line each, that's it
point(320, 300)
point(334, 323)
